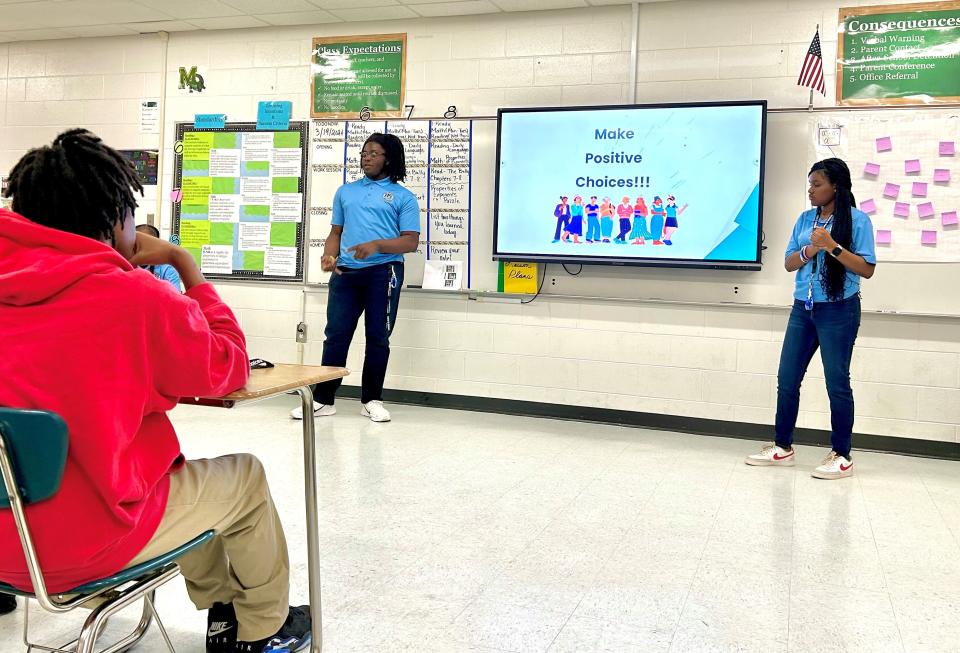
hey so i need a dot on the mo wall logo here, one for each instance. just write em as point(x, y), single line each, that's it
point(191, 80)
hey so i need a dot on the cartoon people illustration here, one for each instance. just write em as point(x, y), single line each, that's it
point(625, 212)
point(562, 214)
point(657, 215)
point(671, 224)
point(639, 233)
point(575, 226)
point(606, 219)
point(593, 220)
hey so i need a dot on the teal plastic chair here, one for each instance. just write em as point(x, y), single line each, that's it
point(33, 454)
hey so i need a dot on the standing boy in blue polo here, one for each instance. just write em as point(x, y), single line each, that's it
point(375, 222)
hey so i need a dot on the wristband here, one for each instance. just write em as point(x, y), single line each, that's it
point(803, 257)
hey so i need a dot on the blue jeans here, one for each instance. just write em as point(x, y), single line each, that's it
point(832, 327)
point(593, 227)
point(375, 292)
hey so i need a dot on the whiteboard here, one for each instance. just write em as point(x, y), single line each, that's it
point(919, 288)
point(439, 172)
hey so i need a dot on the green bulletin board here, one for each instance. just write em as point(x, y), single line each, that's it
point(354, 74)
point(899, 54)
point(241, 210)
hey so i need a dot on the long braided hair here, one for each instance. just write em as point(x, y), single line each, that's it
point(835, 273)
point(78, 184)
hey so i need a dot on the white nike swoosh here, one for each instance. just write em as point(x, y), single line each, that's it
point(216, 630)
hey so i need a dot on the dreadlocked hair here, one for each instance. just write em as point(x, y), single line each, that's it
point(395, 166)
point(78, 184)
point(835, 273)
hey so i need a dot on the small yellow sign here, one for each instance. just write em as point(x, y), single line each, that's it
point(520, 278)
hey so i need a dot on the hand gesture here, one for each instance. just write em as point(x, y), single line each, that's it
point(328, 263)
point(364, 250)
point(148, 250)
point(821, 239)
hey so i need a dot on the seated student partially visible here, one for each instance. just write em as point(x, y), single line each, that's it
point(76, 307)
point(163, 272)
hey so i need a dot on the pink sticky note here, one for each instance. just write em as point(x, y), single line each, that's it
point(176, 195)
point(948, 218)
point(901, 210)
point(884, 144)
point(868, 206)
point(941, 175)
point(871, 169)
point(925, 210)
point(884, 236)
point(911, 166)
point(928, 237)
point(891, 191)
point(947, 148)
point(919, 189)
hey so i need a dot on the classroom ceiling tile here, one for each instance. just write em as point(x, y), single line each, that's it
point(315, 16)
point(41, 15)
point(99, 31)
point(444, 8)
point(381, 13)
point(353, 4)
point(254, 7)
point(538, 5)
point(187, 9)
point(25, 20)
point(162, 26)
point(34, 35)
point(227, 22)
point(114, 12)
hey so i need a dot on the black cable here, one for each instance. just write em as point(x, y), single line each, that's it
point(539, 286)
point(572, 274)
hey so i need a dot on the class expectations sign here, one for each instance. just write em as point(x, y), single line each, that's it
point(351, 75)
point(899, 54)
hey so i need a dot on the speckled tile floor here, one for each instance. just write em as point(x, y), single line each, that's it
point(447, 531)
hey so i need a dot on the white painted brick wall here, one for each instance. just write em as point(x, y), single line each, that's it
point(671, 359)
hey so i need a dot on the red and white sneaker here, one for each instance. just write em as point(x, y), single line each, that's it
point(833, 466)
point(772, 455)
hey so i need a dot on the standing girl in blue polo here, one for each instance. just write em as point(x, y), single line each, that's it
point(375, 222)
point(830, 249)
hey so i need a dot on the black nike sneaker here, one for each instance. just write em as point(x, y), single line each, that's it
point(294, 635)
point(221, 628)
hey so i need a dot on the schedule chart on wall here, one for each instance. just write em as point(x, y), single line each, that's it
point(439, 159)
point(239, 200)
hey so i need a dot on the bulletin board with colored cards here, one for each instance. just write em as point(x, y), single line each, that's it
point(906, 177)
point(238, 197)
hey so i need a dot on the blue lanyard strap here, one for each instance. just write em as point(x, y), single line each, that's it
point(808, 304)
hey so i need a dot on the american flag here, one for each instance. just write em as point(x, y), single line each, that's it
point(811, 75)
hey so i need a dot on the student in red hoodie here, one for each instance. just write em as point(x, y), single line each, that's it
point(75, 305)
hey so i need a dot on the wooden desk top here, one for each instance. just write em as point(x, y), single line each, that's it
point(273, 381)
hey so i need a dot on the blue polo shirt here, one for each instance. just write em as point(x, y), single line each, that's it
point(861, 244)
point(373, 210)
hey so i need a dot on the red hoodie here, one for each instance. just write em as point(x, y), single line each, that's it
point(109, 348)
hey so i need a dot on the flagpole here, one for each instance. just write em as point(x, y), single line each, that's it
point(810, 103)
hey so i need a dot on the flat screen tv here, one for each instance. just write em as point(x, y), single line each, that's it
point(677, 185)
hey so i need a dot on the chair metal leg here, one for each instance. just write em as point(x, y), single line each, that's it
point(148, 601)
point(95, 622)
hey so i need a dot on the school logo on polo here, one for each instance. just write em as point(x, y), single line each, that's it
point(388, 197)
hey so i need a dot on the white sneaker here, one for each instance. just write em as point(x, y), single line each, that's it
point(375, 411)
point(834, 466)
point(319, 410)
point(773, 455)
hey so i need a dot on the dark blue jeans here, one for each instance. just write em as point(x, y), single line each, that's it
point(832, 327)
point(375, 292)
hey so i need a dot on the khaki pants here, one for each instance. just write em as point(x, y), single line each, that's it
point(246, 563)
